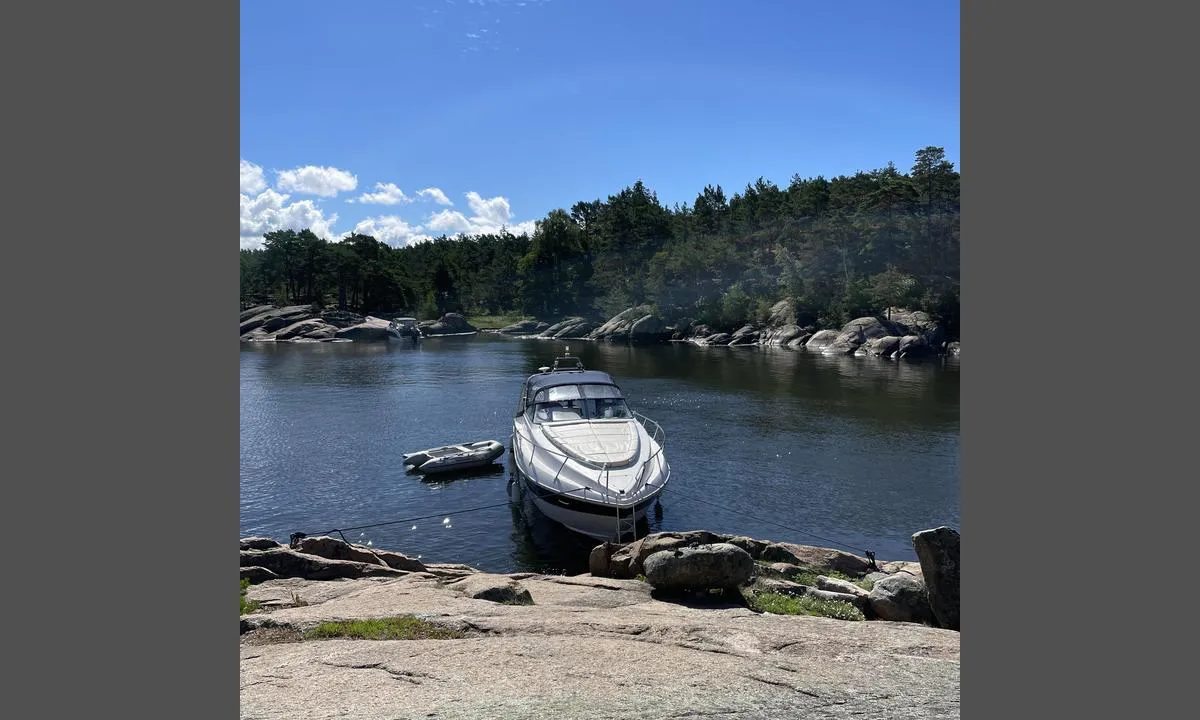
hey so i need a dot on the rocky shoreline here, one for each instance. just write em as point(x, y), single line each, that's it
point(665, 626)
point(897, 333)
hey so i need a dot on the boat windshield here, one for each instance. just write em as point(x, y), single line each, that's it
point(579, 402)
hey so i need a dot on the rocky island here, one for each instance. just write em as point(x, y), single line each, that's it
point(895, 333)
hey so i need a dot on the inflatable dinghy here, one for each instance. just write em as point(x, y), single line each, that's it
point(454, 457)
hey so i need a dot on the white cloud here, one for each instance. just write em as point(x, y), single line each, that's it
point(391, 229)
point(252, 178)
point(270, 211)
point(314, 180)
point(489, 216)
point(389, 194)
point(449, 221)
point(494, 211)
point(436, 194)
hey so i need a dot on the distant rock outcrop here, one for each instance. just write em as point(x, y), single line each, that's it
point(524, 327)
point(571, 328)
point(636, 325)
point(371, 329)
point(448, 324)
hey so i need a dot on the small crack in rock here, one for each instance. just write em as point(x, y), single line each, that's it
point(786, 685)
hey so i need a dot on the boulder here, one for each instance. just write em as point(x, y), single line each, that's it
point(780, 335)
point(569, 329)
point(953, 348)
point(648, 329)
point(884, 346)
point(840, 586)
point(599, 559)
point(639, 550)
point(256, 574)
point(252, 312)
point(859, 601)
point(821, 340)
point(780, 569)
point(313, 328)
point(525, 327)
point(870, 328)
point(799, 340)
point(398, 561)
point(918, 322)
point(914, 347)
point(620, 324)
point(341, 318)
point(448, 324)
point(846, 343)
point(335, 549)
point(717, 565)
point(286, 562)
point(749, 544)
point(619, 563)
point(493, 588)
point(577, 331)
point(938, 551)
point(371, 329)
point(275, 318)
point(816, 557)
point(904, 566)
point(716, 339)
point(901, 598)
point(258, 543)
point(777, 585)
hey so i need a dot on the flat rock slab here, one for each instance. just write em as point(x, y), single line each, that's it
point(588, 648)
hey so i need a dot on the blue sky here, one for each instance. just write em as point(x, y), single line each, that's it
point(407, 119)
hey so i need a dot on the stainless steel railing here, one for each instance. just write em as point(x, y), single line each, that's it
point(657, 434)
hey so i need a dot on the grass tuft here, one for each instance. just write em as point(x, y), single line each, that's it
point(394, 628)
point(780, 604)
point(248, 606)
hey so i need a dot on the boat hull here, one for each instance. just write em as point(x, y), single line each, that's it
point(600, 521)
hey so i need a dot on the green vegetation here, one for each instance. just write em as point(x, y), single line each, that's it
point(393, 628)
point(248, 606)
point(838, 248)
point(809, 577)
point(495, 322)
point(781, 604)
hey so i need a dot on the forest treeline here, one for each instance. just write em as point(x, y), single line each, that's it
point(841, 248)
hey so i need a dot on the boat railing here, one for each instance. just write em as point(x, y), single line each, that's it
point(657, 434)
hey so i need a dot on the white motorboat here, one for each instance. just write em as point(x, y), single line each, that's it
point(404, 328)
point(586, 459)
point(454, 457)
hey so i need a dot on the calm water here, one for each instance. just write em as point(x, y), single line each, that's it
point(780, 444)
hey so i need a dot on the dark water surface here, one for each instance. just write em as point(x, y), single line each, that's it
point(861, 451)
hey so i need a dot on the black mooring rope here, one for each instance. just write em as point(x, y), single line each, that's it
point(299, 535)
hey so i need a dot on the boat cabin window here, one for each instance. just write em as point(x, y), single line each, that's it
point(579, 402)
